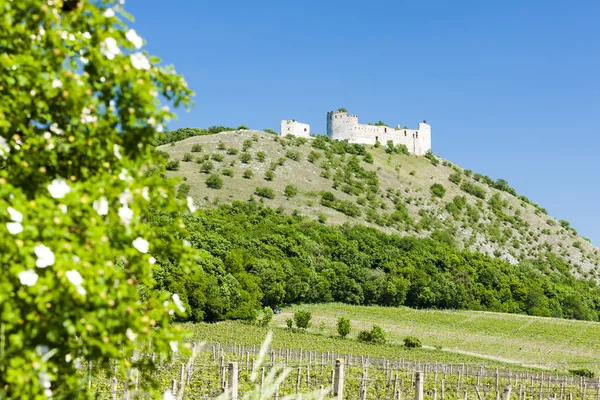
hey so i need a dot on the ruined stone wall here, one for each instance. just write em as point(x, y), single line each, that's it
point(341, 126)
point(291, 127)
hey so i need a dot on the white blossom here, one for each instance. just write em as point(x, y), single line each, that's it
point(63, 208)
point(126, 214)
point(152, 260)
point(190, 204)
point(4, 147)
point(110, 48)
point(186, 243)
point(32, 92)
point(178, 302)
point(124, 175)
point(152, 121)
point(109, 13)
point(54, 128)
point(68, 358)
point(45, 256)
point(134, 38)
point(125, 198)
point(87, 117)
point(141, 245)
point(145, 193)
point(42, 31)
point(56, 83)
point(168, 395)
point(81, 290)
point(15, 215)
point(28, 278)
point(174, 345)
point(139, 61)
point(116, 151)
point(130, 334)
point(74, 277)
point(101, 206)
point(14, 228)
point(47, 135)
point(44, 380)
point(71, 37)
point(58, 188)
point(87, 35)
point(160, 128)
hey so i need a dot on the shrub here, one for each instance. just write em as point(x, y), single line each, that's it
point(221, 145)
point(232, 151)
point(242, 128)
point(375, 335)
point(248, 143)
point(217, 157)
point(473, 189)
point(265, 192)
point(227, 172)
point(290, 191)
point(377, 144)
point(183, 190)
point(248, 174)
point(455, 178)
point(267, 316)
point(289, 322)
point(368, 158)
point(431, 157)
point(313, 156)
point(583, 372)
point(322, 218)
point(293, 155)
point(438, 190)
point(214, 182)
point(207, 167)
point(196, 148)
point(364, 336)
point(172, 165)
point(412, 342)
point(270, 131)
point(302, 318)
point(260, 156)
point(269, 175)
point(188, 157)
point(245, 158)
point(343, 327)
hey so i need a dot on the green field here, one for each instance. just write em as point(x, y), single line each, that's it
point(546, 342)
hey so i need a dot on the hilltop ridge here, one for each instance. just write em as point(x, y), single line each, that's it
point(376, 185)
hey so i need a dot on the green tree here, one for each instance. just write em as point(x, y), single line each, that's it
point(207, 167)
point(290, 191)
point(265, 192)
point(269, 175)
point(343, 327)
point(82, 107)
point(196, 148)
point(438, 190)
point(248, 174)
point(188, 157)
point(302, 318)
point(245, 158)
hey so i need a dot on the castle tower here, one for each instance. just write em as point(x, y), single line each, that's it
point(340, 125)
point(423, 144)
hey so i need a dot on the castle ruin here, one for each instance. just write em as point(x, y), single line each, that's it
point(342, 126)
point(293, 127)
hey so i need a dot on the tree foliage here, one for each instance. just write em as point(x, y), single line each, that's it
point(81, 106)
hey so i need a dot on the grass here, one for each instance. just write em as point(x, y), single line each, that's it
point(544, 342)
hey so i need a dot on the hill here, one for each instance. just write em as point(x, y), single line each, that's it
point(382, 187)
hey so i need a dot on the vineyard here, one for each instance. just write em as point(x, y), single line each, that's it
point(275, 369)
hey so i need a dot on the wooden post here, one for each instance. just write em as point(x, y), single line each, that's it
point(233, 381)
point(443, 390)
point(419, 385)
point(174, 386)
point(114, 388)
point(506, 393)
point(298, 380)
point(338, 381)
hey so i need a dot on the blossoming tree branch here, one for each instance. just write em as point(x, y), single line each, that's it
point(81, 105)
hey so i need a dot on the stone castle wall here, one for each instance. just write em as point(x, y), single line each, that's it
point(342, 126)
point(291, 127)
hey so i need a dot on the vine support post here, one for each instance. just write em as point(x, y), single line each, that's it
point(338, 381)
point(506, 393)
point(233, 381)
point(419, 378)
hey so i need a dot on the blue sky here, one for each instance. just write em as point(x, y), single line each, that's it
point(511, 88)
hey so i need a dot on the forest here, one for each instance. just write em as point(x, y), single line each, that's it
point(249, 255)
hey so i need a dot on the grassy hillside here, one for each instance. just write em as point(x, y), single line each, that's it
point(545, 342)
point(393, 193)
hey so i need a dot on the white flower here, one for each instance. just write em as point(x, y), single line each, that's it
point(174, 345)
point(56, 84)
point(134, 38)
point(178, 302)
point(54, 128)
point(28, 278)
point(141, 245)
point(74, 277)
point(32, 92)
point(14, 228)
point(58, 188)
point(44, 380)
point(42, 31)
point(190, 204)
point(15, 215)
point(186, 243)
point(45, 256)
point(109, 13)
point(130, 334)
point(101, 206)
point(152, 121)
point(139, 61)
point(68, 358)
point(71, 37)
point(160, 128)
point(87, 35)
point(168, 395)
point(126, 214)
point(63, 208)
point(145, 194)
point(47, 135)
point(81, 290)
point(125, 197)
point(87, 117)
point(116, 151)
point(4, 147)
point(124, 175)
point(152, 260)
point(110, 48)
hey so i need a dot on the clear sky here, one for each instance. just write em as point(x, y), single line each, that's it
point(511, 88)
